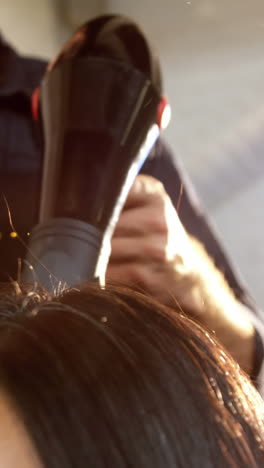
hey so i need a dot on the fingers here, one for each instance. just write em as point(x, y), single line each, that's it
point(140, 221)
point(148, 279)
point(145, 209)
point(145, 190)
point(139, 250)
point(148, 238)
point(130, 274)
point(136, 275)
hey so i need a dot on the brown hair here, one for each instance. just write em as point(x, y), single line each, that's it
point(111, 378)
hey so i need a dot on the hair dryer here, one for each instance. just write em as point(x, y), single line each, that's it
point(101, 115)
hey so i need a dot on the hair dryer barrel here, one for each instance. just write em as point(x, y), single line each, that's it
point(62, 252)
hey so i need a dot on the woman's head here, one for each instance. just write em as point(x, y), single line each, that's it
point(111, 378)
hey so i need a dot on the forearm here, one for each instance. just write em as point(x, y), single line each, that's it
point(207, 297)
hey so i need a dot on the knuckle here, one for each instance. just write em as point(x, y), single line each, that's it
point(158, 224)
point(156, 221)
point(159, 190)
point(151, 184)
point(156, 252)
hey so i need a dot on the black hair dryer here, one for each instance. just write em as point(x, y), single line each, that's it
point(99, 119)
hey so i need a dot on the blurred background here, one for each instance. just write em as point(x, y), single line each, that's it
point(213, 65)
